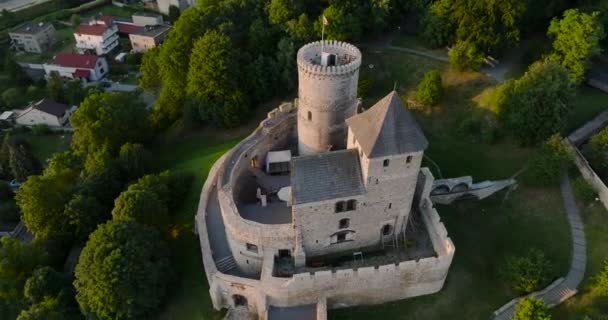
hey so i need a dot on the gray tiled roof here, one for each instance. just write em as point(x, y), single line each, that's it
point(387, 128)
point(325, 176)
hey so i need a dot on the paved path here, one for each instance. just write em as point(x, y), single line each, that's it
point(564, 288)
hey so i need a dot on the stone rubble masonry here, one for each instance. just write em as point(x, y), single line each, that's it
point(339, 288)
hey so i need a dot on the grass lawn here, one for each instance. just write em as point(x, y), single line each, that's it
point(588, 103)
point(412, 41)
point(194, 154)
point(111, 10)
point(45, 146)
point(595, 219)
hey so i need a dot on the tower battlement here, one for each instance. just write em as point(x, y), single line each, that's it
point(348, 58)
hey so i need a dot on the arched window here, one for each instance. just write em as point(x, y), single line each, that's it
point(309, 116)
point(351, 205)
point(344, 223)
point(386, 162)
point(340, 206)
point(387, 229)
point(408, 159)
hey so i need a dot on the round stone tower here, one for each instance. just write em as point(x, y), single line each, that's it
point(328, 73)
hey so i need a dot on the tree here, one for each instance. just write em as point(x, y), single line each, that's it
point(576, 39)
point(44, 282)
point(527, 273)
point(437, 32)
point(106, 121)
point(430, 88)
point(123, 271)
point(84, 213)
point(54, 86)
point(134, 160)
point(465, 56)
point(596, 150)
point(173, 13)
point(484, 24)
point(143, 206)
point(75, 20)
point(42, 200)
point(300, 29)
point(281, 11)
point(21, 160)
point(12, 98)
point(173, 62)
point(73, 93)
point(536, 105)
point(342, 24)
point(18, 261)
point(149, 77)
point(548, 163)
point(531, 309)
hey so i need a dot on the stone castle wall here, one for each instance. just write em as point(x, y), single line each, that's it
point(274, 131)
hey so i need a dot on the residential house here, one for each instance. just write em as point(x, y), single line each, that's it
point(99, 35)
point(33, 37)
point(148, 37)
point(45, 111)
point(86, 67)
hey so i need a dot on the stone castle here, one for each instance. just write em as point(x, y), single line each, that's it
point(323, 206)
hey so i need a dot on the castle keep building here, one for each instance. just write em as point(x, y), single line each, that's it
point(323, 206)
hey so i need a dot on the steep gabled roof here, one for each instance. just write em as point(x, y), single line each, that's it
point(51, 107)
point(387, 128)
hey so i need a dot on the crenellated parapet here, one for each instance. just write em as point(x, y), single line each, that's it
point(348, 58)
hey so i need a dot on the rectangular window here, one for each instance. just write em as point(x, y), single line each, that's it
point(252, 247)
point(341, 237)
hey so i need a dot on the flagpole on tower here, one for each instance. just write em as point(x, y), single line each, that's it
point(324, 23)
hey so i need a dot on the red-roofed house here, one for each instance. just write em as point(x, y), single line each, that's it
point(99, 34)
point(87, 67)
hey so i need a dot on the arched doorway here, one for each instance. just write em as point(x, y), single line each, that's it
point(239, 300)
point(387, 230)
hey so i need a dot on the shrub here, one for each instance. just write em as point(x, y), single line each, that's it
point(583, 190)
point(548, 163)
point(531, 309)
point(465, 56)
point(601, 281)
point(430, 88)
point(41, 129)
point(526, 274)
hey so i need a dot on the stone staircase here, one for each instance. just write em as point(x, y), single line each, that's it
point(226, 264)
point(21, 233)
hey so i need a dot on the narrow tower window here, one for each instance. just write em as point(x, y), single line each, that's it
point(344, 223)
point(340, 206)
point(309, 116)
point(386, 162)
point(351, 205)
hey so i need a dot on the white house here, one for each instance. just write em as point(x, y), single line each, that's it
point(99, 35)
point(45, 111)
point(86, 67)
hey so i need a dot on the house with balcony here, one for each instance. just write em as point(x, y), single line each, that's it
point(33, 37)
point(99, 35)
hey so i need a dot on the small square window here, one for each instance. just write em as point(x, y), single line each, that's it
point(344, 223)
point(386, 162)
point(341, 237)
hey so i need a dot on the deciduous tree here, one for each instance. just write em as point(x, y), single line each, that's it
point(430, 88)
point(577, 39)
point(123, 271)
point(531, 309)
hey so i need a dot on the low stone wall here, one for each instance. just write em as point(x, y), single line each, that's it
point(588, 173)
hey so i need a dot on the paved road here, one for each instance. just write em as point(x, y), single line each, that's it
point(568, 287)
